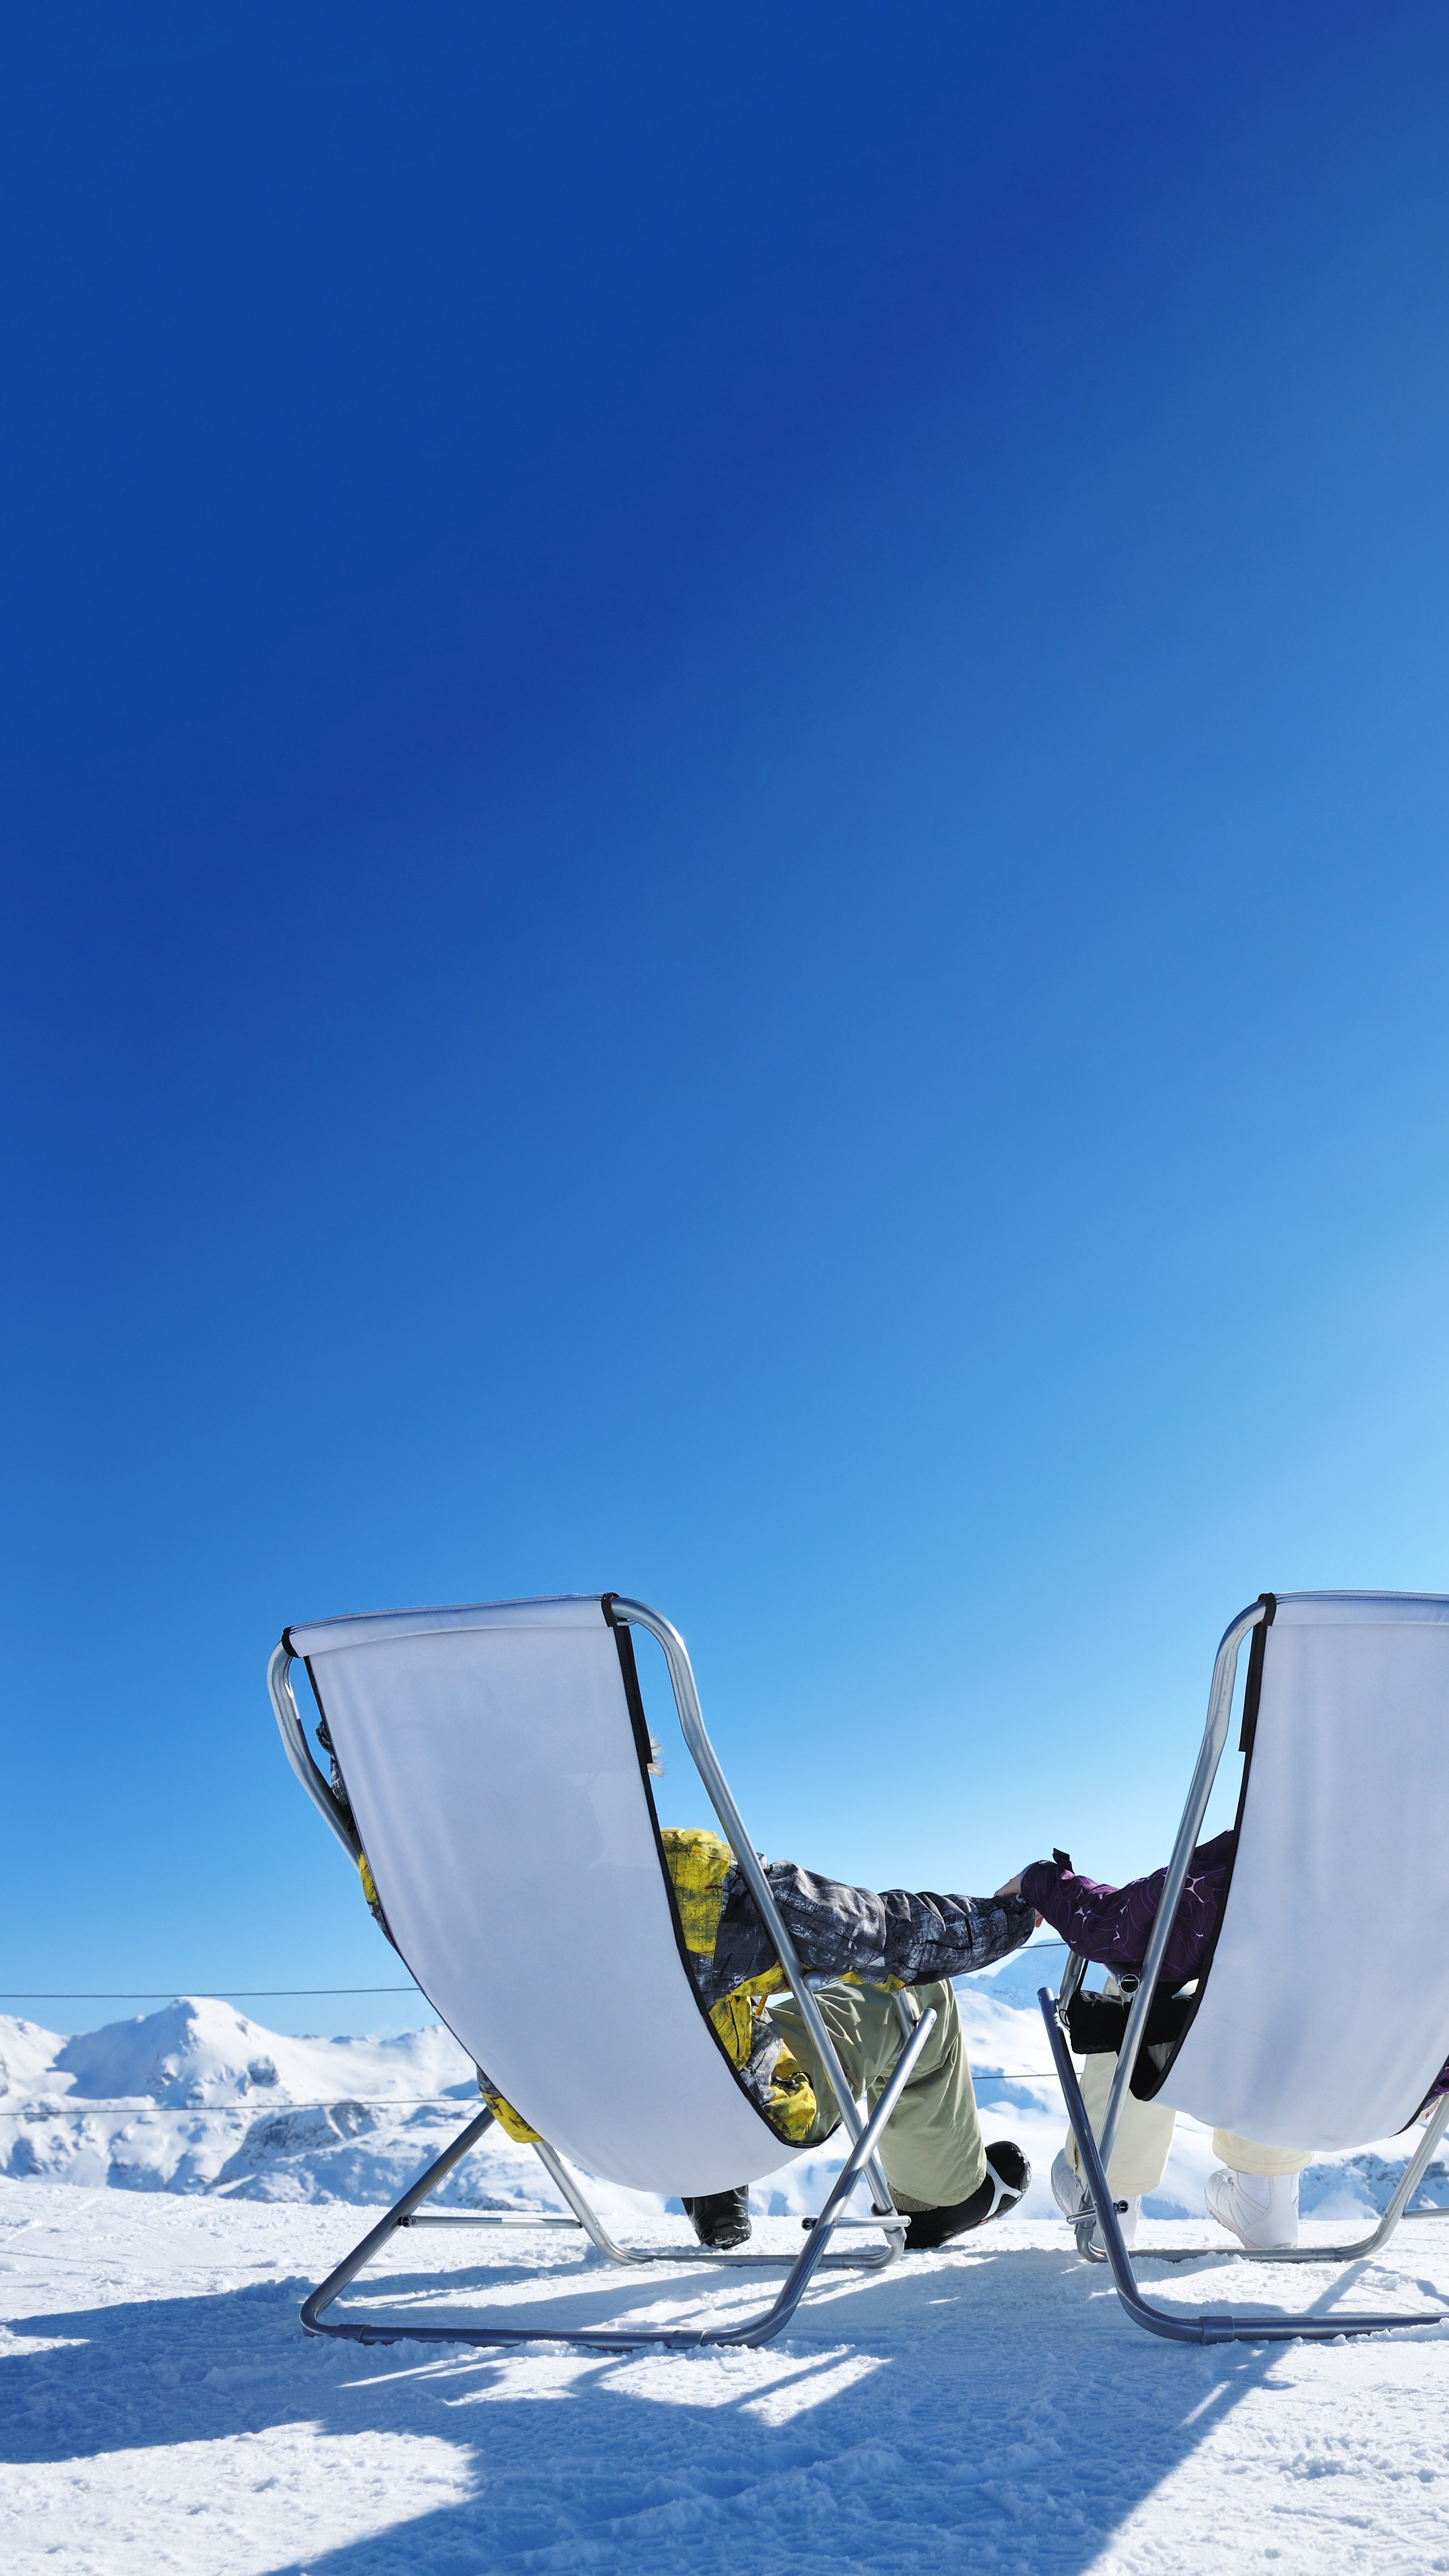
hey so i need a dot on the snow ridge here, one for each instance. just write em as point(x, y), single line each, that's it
point(197, 2098)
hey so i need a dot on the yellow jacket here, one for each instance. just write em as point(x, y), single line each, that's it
point(698, 1865)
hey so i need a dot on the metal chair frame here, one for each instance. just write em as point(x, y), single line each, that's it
point(863, 2159)
point(1275, 2325)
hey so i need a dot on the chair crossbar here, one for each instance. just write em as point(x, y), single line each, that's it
point(490, 2218)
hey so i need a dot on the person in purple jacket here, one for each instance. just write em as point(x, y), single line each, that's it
point(1254, 2193)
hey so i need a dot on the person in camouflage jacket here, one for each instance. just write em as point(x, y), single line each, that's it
point(860, 1949)
point(898, 1938)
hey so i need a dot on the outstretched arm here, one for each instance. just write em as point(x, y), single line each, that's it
point(839, 1931)
point(1112, 1924)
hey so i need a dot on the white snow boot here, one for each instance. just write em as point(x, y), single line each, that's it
point(1261, 2210)
point(1071, 2196)
point(1068, 2189)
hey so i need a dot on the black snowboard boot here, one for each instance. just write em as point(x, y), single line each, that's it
point(720, 2218)
point(1006, 2178)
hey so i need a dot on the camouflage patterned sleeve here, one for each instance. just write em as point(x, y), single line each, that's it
point(852, 1932)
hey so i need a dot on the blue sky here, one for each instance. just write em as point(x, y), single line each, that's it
point(725, 797)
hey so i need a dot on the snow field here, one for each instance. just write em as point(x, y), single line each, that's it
point(988, 2408)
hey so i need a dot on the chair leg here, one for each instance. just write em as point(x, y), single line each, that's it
point(602, 2339)
point(1278, 2325)
point(1356, 2251)
point(398, 2216)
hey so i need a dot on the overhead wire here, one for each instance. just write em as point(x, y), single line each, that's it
point(173, 1994)
point(346, 2101)
point(52, 2107)
point(235, 1994)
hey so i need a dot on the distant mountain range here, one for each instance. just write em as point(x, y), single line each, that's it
point(197, 2098)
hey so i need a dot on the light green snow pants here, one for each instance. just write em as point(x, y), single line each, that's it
point(932, 2150)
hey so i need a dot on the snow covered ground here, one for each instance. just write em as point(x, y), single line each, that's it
point(990, 2407)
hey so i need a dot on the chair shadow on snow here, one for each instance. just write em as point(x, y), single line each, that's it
point(997, 2403)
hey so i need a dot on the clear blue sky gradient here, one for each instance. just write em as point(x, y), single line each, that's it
point(725, 789)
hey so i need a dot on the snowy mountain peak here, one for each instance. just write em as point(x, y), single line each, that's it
point(194, 2052)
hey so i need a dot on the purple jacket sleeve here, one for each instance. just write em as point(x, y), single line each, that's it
point(1112, 1924)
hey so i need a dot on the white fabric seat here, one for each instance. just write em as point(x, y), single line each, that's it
point(1309, 2033)
point(497, 1773)
point(496, 1766)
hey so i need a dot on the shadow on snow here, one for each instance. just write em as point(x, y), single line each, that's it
point(997, 2406)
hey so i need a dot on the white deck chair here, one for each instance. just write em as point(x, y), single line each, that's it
point(496, 1759)
point(1305, 2031)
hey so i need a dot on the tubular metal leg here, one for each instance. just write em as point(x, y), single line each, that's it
point(1278, 2325)
point(702, 1753)
point(863, 2152)
point(1215, 1736)
point(587, 2217)
point(398, 2216)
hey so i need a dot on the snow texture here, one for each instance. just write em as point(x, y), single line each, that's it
point(989, 2407)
